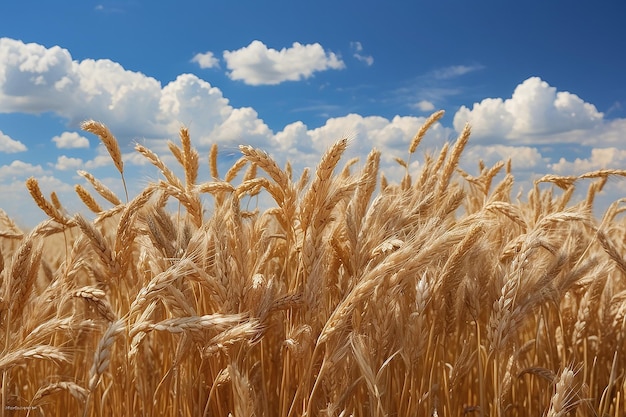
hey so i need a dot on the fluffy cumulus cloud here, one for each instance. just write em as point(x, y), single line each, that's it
point(136, 107)
point(9, 145)
point(70, 140)
point(19, 169)
point(256, 64)
point(391, 137)
point(36, 79)
point(65, 163)
point(535, 113)
point(600, 158)
point(206, 60)
point(523, 158)
point(194, 102)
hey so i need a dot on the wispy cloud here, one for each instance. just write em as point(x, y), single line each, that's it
point(434, 88)
point(101, 8)
point(357, 48)
point(454, 71)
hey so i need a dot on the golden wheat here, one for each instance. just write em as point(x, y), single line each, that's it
point(438, 294)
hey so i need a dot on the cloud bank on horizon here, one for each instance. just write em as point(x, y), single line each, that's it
point(527, 127)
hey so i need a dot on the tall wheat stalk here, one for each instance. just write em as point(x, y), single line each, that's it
point(437, 293)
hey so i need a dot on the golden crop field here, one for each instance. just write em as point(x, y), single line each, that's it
point(440, 294)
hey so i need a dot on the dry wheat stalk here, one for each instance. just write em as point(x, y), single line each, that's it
point(564, 392)
point(157, 162)
point(74, 389)
point(190, 158)
point(242, 391)
point(432, 119)
point(189, 324)
point(55, 201)
point(8, 228)
point(98, 242)
point(33, 188)
point(267, 164)
point(96, 298)
point(87, 198)
point(18, 285)
point(235, 168)
point(102, 356)
point(317, 192)
point(332, 301)
point(453, 161)
point(21, 355)
point(109, 141)
point(102, 189)
point(213, 162)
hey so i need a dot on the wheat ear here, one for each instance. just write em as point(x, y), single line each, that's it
point(19, 356)
point(102, 356)
point(87, 198)
point(102, 189)
point(561, 402)
point(110, 142)
point(33, 188)
point(422, 132)
point(74, 389)
point(190, 158)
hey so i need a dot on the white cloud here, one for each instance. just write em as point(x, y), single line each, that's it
point(523, 158)
point(104, 87)
point(206, 60)
point(243, 126)
point(454, 71)
point(65, 163)
point(424, 105)
point(32, 76)
point(136, 107)
point(36, 79)
point(534, 114)
point(256, 64)
point(9, 145)
point(195, 103)
point(70, 140)
point(358, 49)
point(102, 160)
point(19, 169)
point(600, 158)
point(391, 137)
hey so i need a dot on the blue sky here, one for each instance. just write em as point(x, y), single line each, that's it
point(543, 83)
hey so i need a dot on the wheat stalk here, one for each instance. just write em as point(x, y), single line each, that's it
point(102, 355)
point(111, 144)
point(432, 119)
point(87, 198)
point(102, 189)
point(19, 356)
point(33, 188)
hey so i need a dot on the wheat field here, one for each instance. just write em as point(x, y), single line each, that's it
point(439, 294)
